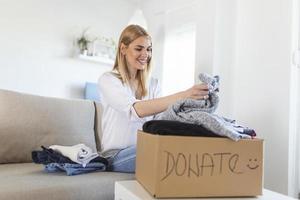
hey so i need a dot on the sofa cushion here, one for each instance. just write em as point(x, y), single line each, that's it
point(29, 121)
point(28, 181)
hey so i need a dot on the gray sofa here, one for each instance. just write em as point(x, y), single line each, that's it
point(29, 121)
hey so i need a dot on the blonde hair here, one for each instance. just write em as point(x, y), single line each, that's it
point(129, 34)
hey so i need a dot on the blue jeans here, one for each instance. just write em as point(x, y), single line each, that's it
point(123, 160)
point(74, 169)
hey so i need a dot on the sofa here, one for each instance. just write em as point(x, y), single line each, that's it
point(29, 121)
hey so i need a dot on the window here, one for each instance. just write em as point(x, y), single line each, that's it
point(179, 59)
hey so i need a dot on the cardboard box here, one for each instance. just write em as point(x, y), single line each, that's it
point(182, 166)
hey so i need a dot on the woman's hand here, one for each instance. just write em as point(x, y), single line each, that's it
point(198, 91)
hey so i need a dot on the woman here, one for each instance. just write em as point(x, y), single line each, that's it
point(130, 98)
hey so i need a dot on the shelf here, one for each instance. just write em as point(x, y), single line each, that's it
point(99, 59)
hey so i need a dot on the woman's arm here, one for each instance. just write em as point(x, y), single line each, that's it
point(154, 106)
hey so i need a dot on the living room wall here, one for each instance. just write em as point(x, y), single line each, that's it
point(36, 53)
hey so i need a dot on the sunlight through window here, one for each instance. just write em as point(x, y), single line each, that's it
point(179, 59)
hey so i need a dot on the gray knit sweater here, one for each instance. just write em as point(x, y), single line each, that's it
point(201, 112)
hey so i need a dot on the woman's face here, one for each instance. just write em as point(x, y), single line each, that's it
point(138, 53)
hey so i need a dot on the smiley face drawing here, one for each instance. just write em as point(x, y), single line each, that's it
point(252, 164)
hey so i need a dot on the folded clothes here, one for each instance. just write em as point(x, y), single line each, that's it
point(79, 153)
point(47, 156)
point(74, 169)
point(55, 161)
point(169, 127)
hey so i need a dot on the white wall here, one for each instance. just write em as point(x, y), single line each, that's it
point(37, 43)
point(294, 138)
point(224, 53)
point(262, 72)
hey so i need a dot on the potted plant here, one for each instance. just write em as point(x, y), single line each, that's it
point(83, 42)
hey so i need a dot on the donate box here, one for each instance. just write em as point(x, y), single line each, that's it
point(186, 166)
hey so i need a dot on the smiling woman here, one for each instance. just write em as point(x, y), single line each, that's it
point(130, 97)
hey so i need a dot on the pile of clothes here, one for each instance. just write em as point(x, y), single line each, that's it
point(197, 118)
point(73, 160)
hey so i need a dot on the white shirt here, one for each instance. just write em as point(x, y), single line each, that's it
point(120, 121)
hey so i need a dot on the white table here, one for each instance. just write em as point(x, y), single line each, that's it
point(132, 190)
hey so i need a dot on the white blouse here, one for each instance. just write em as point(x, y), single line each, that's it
point(120, 121)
